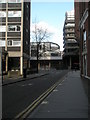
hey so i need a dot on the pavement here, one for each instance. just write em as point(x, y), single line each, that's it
point(68, 100)
point(15, 79)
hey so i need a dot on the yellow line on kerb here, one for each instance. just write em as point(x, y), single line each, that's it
point(31, 107)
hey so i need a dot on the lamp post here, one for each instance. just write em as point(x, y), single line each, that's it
point(1, 72)
point(0, 82)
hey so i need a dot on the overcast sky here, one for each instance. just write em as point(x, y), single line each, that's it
point(52, 16)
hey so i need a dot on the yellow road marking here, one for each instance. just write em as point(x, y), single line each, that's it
point(31, 107)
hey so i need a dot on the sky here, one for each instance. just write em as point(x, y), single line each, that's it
point(52, 16)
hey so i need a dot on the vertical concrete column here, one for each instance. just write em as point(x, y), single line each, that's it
point(6, 63)
point(21, 58)
point(38, 66)
point(21, 65)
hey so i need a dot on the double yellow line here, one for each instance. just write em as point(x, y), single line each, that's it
point(32, 106)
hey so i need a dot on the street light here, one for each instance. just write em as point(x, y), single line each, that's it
point(1, 72)
point(0, 83)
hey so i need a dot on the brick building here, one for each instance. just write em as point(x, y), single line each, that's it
point(82, 19)
point(15, 34)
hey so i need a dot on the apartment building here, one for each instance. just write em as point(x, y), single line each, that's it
point(15, 34)
point(71, 48)
point(84, 36)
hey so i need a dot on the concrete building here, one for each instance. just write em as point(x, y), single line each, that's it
point(71, 48)
point(84, 37)
point(49, 56)
point(15, 34)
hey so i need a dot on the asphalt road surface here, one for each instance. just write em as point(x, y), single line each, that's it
point(18, 96)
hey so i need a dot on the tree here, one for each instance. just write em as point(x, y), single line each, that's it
point(39, 34)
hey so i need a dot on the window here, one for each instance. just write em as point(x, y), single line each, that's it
point(84, 40)
point(27, 6)
point(27, 30)
point(2, 14)
point(14, 43)
point(9, 42)
point(17, 43)
point(27, 18)
point(14, 1)
point(67, 35)
point(2, 43)
point(2, 1)
point(54, 54)
point(14, 13)
point(2, 28)
point(85, 36)
point(18, 28)
point(14, 28)
point(26, 42)
point(11, 28)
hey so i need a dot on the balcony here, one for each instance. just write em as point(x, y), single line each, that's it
point(70, 21)
point(69, 54)
point(72, 41)
point(71, 47)
point(69, 26)
point(69, 37)
point(69, 31)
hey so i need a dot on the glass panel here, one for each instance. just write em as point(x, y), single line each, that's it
point(2, 1)
point(2, 43)
point(9, 42)
point(14, 43)
point(2, 28)
point(18, 1)
point(14, 1)
point(14, 14)
point(10, 1)
point(84, 41)
point(14, 28)
point(2, 14)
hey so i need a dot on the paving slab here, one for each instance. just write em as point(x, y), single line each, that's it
point(68, 100)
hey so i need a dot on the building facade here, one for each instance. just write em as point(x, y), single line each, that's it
point(84, 36)
point(49, 56)
point(15, 34)
point(71, 48)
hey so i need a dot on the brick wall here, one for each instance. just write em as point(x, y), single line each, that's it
point(80, 8)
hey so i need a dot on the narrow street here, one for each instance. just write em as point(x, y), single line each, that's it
point(18, 96)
